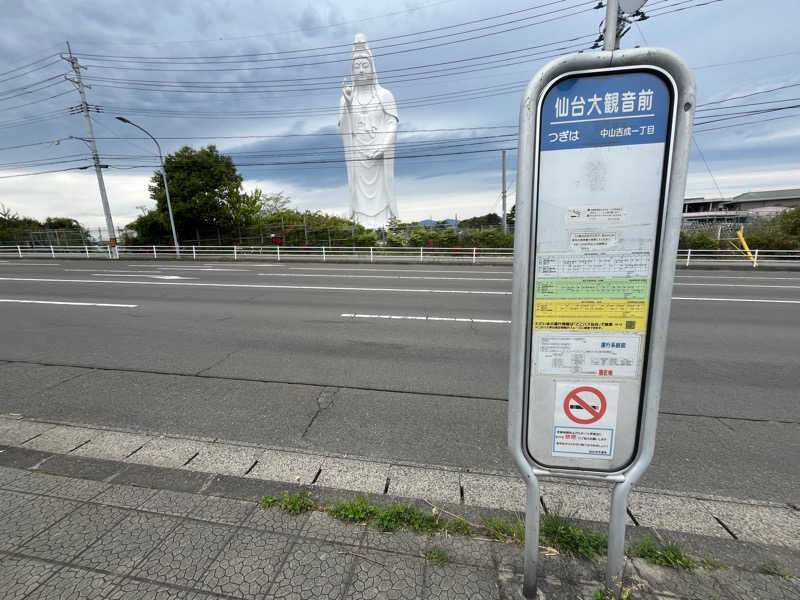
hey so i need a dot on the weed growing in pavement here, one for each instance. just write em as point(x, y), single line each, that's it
point(709, 564)
point(504, 530)
point(625, 593)
point(459, 526)
point(357, 510)
point(771, 567)
point(559, 532)
point(438, 556)
point(658, 553)
point(290, 503)
point(398, 516)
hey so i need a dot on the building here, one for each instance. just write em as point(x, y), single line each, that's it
point(720, 214)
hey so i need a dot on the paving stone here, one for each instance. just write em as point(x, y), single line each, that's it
point(357, 475)
point(742, 584)
point(508, 556)
point(322, 526)
point(662, 581)
point(275, 520)
point(761, 524)
point(406, 542)
point(184, 555)
point(465, 550)
point(247, 565)
point(20, 576)
point(7, 475)
point(166, 452)
point(30, 518)
point(674, 513)
point(126, 496)
point(223, 510)
point(75, 584)
point(9, 501)
point(121, 549)
point(386, 577)
point(14, 432)
point(73, 534)
point(224, 459)
point(78, 489)
point(293, 467)
point(430, 484)
point(35, 483)
point(60, 439)
point(168, 502)
point(447, 582)
point(492, 491)
point(313, 570)
point(112, 445)
point(132, 589)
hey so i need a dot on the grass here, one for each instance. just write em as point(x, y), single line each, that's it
point(290, 503)
point(709, 564)
point(773, 568)
point(659, 553)
point(559, 532)
point(405, 516)
point(357, 510)
point(504, 530)
point(438, 556)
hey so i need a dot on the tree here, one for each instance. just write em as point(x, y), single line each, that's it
point(489, 220)
point(241, 208)
point(511, 216)
point(200, 184)
point(273, 204)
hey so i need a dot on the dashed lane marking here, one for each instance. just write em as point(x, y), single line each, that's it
point(425, 318)
point(103, 304)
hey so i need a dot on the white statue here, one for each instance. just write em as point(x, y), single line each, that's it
point(368, 123)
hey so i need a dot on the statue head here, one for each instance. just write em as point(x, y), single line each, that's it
point(363, 64)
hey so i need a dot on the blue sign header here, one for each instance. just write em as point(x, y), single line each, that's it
point(605, 110)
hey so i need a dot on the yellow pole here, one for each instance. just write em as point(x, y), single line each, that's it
point(746, 247)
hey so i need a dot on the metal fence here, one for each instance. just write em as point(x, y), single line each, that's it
point(275, 253)
point(367, 254)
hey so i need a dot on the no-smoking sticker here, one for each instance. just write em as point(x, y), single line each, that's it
point(585, 418)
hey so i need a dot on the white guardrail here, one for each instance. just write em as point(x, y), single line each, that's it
point(273, 252)
point(367, 254)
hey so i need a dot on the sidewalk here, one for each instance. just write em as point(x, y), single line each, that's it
point(182, 535)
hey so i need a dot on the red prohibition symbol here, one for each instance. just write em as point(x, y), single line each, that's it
point(574, 401)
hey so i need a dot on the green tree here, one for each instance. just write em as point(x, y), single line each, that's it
point(200, 186)
point(489, 220)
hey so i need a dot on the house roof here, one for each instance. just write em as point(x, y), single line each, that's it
point(788, 194)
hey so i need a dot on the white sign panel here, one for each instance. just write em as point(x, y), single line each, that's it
point(603, 355)
point(585, 418)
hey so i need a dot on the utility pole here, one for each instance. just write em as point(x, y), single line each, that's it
point(610, 39)
point(78, 81)
point(505, 222)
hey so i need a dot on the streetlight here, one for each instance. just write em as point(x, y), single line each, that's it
point(166, 187)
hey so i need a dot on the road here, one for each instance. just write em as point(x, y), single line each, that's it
point(244, 351)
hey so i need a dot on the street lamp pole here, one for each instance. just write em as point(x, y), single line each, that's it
point(166, 187)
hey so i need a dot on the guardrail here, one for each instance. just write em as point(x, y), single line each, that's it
point(759, 257)
point(366, 254)
point(277, 253)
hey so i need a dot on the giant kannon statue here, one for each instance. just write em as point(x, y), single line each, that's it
point(368, 123)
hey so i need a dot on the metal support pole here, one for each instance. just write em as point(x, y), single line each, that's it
point(616, 534)
point(688, 257)
point(505, 222)
point(370, 255)
point(531, 555)
point(755, 259)
point(19, 251)
point(169, 206)
point(610, 42)
point(52, 252)
point(234, 252)
point(420, 254)
point(154, 253)
point(474, 255)
point(194, 254)
point(323, 254)
point(279, 254)
point(86, 249)
point(76, 68)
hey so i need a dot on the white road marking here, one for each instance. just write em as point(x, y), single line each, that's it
point(425, 318)
point(114, 272)
point(14, 300)
point(742, 285)
point(261, 286)
point(141, 275)
point(30, 264)
point(735, 277)
point(380, 276)
point(740, 300)
point(370, 269)
point(203, 269)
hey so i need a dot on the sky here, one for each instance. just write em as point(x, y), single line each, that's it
point(262, 81)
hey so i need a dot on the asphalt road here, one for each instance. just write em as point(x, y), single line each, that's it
point(242, 351)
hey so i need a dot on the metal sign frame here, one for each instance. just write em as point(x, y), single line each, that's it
point(664, 257)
